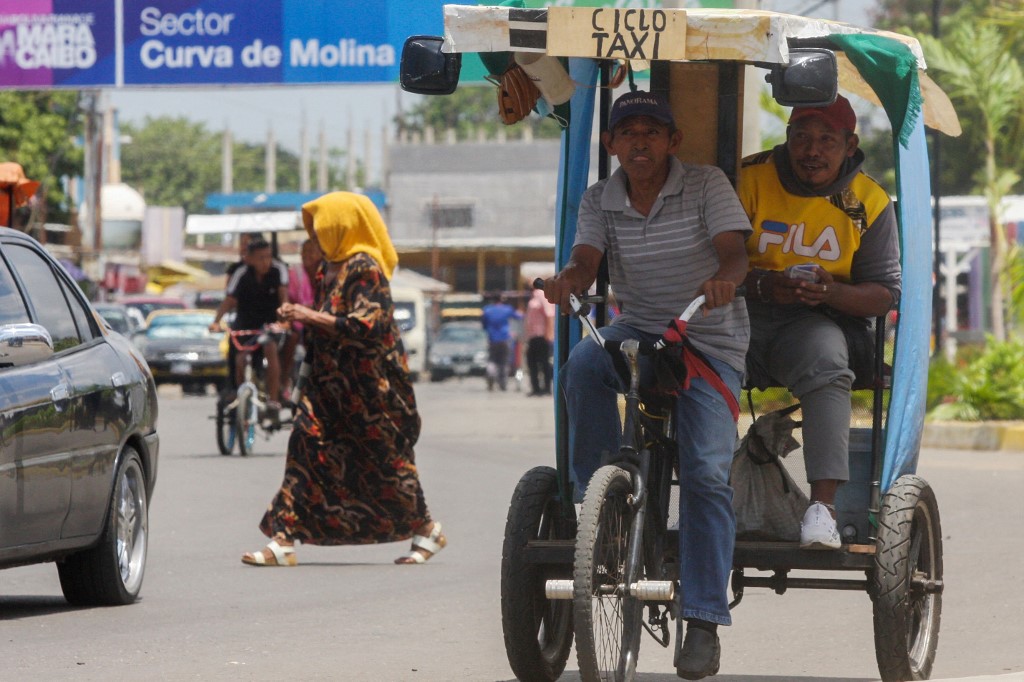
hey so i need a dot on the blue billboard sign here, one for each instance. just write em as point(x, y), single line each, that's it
point(57, 43)
point(71, 43)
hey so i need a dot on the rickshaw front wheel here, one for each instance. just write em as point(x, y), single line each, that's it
point(538, 631)
point(608, 621)
point(907, 581)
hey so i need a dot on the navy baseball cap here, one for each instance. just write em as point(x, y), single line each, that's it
point(640, 103)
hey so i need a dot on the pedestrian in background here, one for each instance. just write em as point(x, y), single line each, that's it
point(495, 318)
point(539, 327)
point(301, 290)
point(350, 473)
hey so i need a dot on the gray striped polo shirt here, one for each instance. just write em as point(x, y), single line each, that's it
point(657, 263)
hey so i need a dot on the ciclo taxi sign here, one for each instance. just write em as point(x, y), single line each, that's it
point(616, 33)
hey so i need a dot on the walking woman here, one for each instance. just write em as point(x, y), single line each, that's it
point(350, 475)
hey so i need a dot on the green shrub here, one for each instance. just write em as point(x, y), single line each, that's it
point(989, 385)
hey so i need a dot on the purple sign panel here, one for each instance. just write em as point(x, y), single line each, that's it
point(57, 43)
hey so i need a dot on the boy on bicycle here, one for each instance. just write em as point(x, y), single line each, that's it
point(255, 291)
point(671, 231)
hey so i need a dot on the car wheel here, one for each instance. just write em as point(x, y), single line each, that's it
point(110, 574)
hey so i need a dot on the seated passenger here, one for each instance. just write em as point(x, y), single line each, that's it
point(671, 231)
point(810, 204)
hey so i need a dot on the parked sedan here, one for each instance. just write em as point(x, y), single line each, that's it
point(180, 349)
point(118, 317)
point(78, 438)
point(460, 349)
point(141, 305)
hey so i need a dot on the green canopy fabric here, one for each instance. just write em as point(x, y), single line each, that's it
point(890, 68)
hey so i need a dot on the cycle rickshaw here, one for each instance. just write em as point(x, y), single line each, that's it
point(888, 515)
point(239, 419)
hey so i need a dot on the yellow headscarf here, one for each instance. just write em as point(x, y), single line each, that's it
point(346, 224)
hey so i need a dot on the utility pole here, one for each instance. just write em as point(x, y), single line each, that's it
point(227, 161)
point(304, 156)
point(271, 162)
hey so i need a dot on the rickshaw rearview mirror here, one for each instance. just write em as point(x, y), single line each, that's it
point(811, 79)
point(425, 69)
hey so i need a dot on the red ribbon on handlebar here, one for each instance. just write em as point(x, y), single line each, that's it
point(690, 363)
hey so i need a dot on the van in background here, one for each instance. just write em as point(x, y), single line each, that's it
point(411, 317)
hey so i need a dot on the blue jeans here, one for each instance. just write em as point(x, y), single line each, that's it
point(706, 434)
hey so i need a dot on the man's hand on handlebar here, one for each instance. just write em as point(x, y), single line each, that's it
point(558, 288)
point(717, 292)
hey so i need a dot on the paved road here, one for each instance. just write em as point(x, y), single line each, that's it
point(349, 614)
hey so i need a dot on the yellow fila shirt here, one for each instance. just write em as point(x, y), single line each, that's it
point(791, 229)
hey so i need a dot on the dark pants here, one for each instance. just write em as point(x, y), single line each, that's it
point(498, 355)
point(538, 360)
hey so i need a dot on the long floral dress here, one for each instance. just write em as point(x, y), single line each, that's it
point(350, 476)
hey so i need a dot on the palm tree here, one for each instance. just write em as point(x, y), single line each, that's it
point(980, 74)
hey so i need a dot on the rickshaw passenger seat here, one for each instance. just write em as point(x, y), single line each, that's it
point(880, 375)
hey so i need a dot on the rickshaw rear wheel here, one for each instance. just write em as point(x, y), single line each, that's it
point(907, 581)
point(538, 631)
point(608, 621)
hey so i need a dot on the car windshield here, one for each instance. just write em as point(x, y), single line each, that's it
point(147, 308)
point(117, 319)
point(180, 327)
point(460, 334)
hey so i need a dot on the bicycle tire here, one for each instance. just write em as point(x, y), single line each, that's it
point(245, 421)
point(608, 622)
point(909, 556)
point(226, 431)
point(537, 631)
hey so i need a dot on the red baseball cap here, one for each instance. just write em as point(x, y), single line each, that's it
point(839, 114)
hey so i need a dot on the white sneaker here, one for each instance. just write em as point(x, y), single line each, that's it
point(818, 529)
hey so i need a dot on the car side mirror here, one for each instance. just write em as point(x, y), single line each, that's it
point(425, 69)
point(24, 344)
point(811, 79)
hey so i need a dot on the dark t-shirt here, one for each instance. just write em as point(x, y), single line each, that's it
point(257, 300)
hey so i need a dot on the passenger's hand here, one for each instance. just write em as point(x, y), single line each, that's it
point(816, 293)
point(717, 292)
point(215, 327)
point(781, 289)
point(293, 312)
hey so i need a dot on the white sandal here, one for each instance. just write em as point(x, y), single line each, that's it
point(283, 555)
point(429, 544)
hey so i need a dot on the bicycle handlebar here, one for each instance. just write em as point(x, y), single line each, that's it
point(260, 335)
point(581, 310)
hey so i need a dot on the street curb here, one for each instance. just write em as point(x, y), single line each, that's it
point(974, 435)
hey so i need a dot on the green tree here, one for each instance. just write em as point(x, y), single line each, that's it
point(987, 82)
point(177, 162)
point(172, 161)
point(959, 155)
point(38, 130)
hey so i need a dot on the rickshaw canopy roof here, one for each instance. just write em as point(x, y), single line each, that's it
point(750, 36)
point(236, 223)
